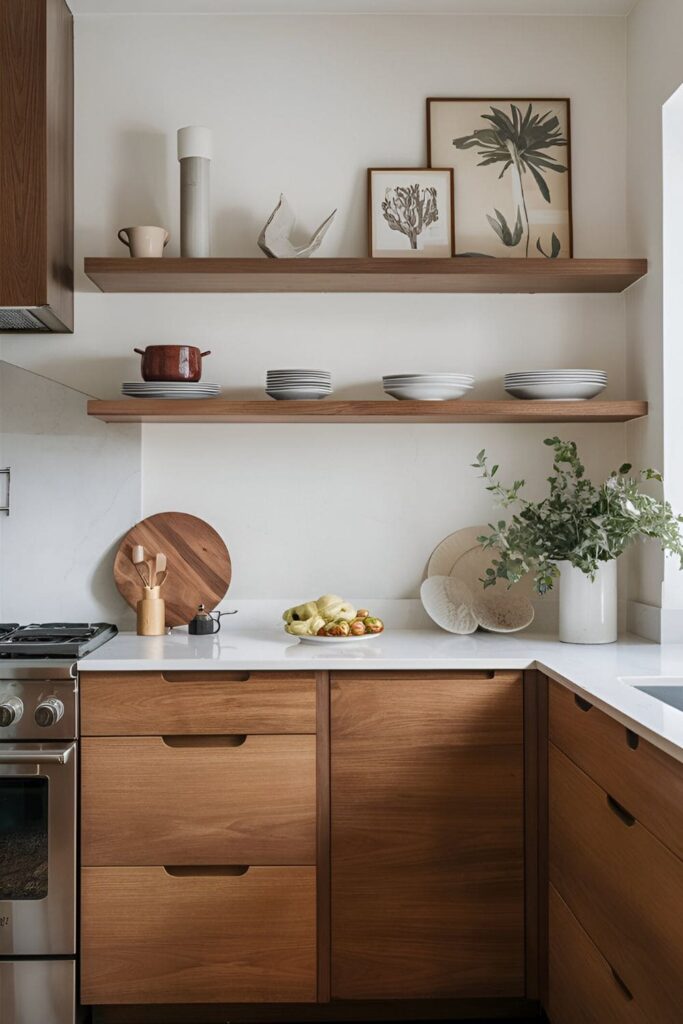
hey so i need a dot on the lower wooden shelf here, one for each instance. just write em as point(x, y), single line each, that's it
point(227, 410)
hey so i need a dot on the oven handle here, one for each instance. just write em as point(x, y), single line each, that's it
point(60, 756)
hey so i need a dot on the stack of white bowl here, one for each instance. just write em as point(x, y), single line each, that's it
point(555, 385)
point(428, 387)
point(295, 385)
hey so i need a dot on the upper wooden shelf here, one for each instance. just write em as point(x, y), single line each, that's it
point(460, 274)
point(226, 410)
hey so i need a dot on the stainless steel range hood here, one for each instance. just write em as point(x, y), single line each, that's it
point(36, 166)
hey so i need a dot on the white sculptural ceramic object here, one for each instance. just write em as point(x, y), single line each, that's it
point(275, 241)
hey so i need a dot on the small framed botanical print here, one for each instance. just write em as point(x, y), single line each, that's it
point(410, 212)
point(512, 182)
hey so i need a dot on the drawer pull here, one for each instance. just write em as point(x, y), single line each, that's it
point(632, 739)
point(182, 742)
point(620, 812)
point(582, 704)
point(625, 990)
point(205, 871)
point(206, 677)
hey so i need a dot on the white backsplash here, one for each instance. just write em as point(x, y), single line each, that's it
point(75, 491)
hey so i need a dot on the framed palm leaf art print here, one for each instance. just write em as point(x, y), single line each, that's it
point(512, 173)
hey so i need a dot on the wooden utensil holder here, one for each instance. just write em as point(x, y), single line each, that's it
point(151, 613)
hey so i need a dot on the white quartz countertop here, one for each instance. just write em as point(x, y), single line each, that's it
point(594, 672)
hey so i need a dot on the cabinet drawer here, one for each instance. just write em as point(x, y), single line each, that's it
point(198, 800)
point(151, 937)
point(632, 770)
point(582, 986)
point(196, 703)
point(623, 885)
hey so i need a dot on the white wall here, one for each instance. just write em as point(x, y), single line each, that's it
point(305, 105)
point(655, 71)
point(75, 490)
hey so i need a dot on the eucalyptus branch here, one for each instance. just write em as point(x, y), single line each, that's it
point(576, 522)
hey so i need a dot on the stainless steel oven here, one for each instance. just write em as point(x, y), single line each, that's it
point(38, 818)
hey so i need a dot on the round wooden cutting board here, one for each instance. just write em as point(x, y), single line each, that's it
point(199, 569)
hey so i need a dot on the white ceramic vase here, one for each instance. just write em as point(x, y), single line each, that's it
point(588, 608)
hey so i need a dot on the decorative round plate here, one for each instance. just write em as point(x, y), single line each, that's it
point(199, 568)
point(460, 554)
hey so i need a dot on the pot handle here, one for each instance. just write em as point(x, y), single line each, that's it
point(206, 353)
point(140, 351)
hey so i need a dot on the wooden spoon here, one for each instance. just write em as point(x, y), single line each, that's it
point(138, 559)
point(159, 568)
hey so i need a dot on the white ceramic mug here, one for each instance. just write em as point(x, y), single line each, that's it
point(144, 241)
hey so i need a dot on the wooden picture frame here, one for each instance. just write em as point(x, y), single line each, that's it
point(504, 211)
point(432, 240)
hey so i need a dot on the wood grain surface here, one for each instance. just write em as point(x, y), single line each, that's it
point(36, 158)
point(199, 568)
point(464, 274)
point(633, 771)
point(622, 884)
point(198, 800)
point(427, 835)
point(330, 410)
point(583, 986)
point(196, 703)
point(152, 937)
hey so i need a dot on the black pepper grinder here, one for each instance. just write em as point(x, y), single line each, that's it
point(204, 624)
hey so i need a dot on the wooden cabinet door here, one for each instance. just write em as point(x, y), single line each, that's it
point(427, 840)
point(622, 884)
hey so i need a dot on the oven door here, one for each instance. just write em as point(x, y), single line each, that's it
point(37, 849)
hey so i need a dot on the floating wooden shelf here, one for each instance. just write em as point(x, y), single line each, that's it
point(226, 410)
point(460, 274)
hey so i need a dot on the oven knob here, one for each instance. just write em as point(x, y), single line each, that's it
point(49, 712)
point(10, 712)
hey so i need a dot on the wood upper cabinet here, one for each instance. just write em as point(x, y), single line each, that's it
point(427, 843)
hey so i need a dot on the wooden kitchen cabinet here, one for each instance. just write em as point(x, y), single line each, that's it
point(427, 835)
point(199, 837)
point(198, 800)
point(614, 836)
point(149, 935)
point(632, 770)
point(585, 987)
point(197, 703)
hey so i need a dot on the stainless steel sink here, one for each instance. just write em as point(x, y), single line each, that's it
point(667, 689)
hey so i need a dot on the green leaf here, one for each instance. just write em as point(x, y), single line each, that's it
point(499, 229)
point(541, 182)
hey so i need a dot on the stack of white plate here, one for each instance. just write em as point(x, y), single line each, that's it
point(556, 385)
point(295, 385)
point(170, 389)
point(428, 387)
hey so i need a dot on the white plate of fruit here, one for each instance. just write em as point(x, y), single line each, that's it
point(331, 620)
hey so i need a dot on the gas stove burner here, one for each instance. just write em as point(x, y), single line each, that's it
point(53, 639)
